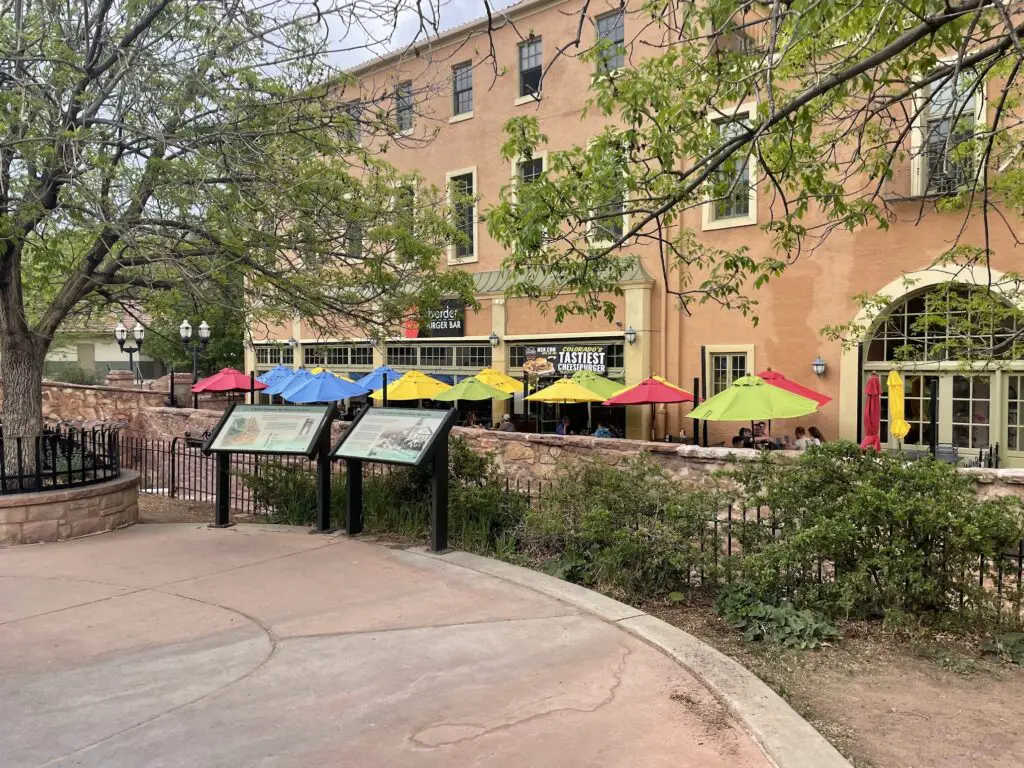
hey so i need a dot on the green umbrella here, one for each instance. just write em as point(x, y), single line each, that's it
point(471, 388)
point(750, 398)
point(599, 385)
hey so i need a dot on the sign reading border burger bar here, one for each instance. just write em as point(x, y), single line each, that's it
point(448, 321)
point(565, 359)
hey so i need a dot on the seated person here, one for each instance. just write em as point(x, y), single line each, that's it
point(738, 441)
point(815, 436)
point(563, 427)
point(603, 431)
point(802, 441)
point(746, 438)
point(506, 424)
point(761, 437)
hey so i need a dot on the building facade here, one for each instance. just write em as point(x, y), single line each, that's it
point(452, 102)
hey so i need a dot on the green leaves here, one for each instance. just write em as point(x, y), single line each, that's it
point(781, 624)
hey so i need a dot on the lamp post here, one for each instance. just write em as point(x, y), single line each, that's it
point(121, 335)
point(185, 330)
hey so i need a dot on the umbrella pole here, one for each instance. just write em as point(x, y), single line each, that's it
point(696, 402)
point(384, 390)
point(252, 387)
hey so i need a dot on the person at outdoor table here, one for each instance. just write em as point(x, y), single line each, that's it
point(816, 436)
point(471, 420)
point(746, 438)
point(563, 427)
point(506, 424)
point(603, 431)
point(761, 437)
point(802, 441)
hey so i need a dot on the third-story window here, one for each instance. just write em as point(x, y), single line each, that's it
point(530, 60)
point(949, 123)
point(354, 110)
point(612, 28)
point(464, 206)
point(403, 106)
point(531, 170)
point(462, 88)
point(732, 185)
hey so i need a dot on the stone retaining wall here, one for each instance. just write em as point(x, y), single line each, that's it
point(81, 402)
point(30, 518)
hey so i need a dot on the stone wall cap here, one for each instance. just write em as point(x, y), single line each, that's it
point(129, 479)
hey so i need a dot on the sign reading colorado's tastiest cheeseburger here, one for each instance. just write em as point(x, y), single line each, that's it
point(565, 359)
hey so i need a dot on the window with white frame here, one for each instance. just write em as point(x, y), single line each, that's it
point(730, 194)
point(403, 106)
point(473, 356)
point(354, 110)
point(971, 411)
point(462, 188)
point(404, 356)
point(611, 32)
point(608, 218)
point(273, 354)
point(945, 161)
point(726, 367)
point(530, 64)
point(530, 170)
point(1015, 412)
point(462, 88)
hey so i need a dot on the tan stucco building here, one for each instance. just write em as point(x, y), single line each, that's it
point(456, 133)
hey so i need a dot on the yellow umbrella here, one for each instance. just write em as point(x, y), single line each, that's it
point(565, 391)
point(499, 380)
point(413, 385)
point(668, 383)
point(898, 428)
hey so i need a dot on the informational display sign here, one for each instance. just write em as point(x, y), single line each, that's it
point(291, 429)
point(448, 321)
point(565, 359)
point(393, 435)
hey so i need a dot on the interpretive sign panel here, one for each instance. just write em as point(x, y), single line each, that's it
point(394, 435)
point(293, 429)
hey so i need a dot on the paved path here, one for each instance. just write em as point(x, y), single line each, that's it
point(185, 646)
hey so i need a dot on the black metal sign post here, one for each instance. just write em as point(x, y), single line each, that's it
point(221, 512)
point(404, 436)
point(323, 483)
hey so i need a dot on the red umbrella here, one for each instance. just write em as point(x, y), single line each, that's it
point(227, 380)
point(776, 379)
point(872, 414)
point(648, 392)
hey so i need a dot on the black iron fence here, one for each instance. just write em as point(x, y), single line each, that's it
point(63, 456)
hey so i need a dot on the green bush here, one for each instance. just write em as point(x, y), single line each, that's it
point(72, 374)
point(288, 492)
point(889, 535)
point(636, 531)
point(781, 624)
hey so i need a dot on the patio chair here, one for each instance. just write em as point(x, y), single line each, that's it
point(948, 453)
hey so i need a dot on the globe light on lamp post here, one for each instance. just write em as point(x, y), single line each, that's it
point(185, 331)
point(121, 336)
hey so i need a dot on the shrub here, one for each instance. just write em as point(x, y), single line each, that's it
point(781, 624)
point(72, 374)
point(888, 535)
point(637, 532)
point(288, 492)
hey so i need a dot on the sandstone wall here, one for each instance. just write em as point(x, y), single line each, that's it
point(30, 518)
point(80, 402)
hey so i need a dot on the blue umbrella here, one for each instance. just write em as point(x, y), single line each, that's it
point(375, 379)
point(282, 382)
point(269, 377)
point(322, 388)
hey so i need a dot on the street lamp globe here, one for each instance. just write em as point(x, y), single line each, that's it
point(204, 332)
point(120, 333)
point(185, 330)
point(139, 333)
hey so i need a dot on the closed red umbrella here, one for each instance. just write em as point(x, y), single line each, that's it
point(650, 391)
point(227, 380)
point(872, 414)
point(776, 379)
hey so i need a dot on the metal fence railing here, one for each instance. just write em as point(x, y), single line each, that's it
point(63, 456)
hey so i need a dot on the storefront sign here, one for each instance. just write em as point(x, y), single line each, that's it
point(448, 321)
point(565, 359)
point(269, 429)
point(393, 435)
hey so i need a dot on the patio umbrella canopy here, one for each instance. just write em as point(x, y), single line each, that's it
point(499, 380)
point(776, 379)
point(322, 388)
point(414, 385)
point(325, 370)
point(872, 414)
point(750, 398)
point(375, 379)
point(898, 427)
point(471, 388)
point(286, 380)
point(275, 373)
point(565, 391)
point(596, 383)
point(226, 380)
point(650, 391)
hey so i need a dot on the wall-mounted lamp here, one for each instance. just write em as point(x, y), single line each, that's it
point(493, 338)
point(631, 335)
point(818, 366)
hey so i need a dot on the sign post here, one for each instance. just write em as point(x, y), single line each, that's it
point(294, 430)
point(412, 437)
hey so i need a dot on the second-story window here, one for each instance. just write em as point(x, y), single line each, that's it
point(612, 28)
point(732, 185)
point(948, 125)
point(464, 208)
point(354, 111)
point(531, 170)
point(403, 106)
point(530, 60)
point(462, 88)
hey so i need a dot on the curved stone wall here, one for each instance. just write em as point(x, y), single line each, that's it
point(29, 518)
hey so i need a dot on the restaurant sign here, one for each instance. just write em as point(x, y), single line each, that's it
point(565, 359)
point(447, 321)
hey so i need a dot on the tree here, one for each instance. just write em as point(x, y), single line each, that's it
point(839, 89)
point(150, 147)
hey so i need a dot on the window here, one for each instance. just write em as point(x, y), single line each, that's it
point(462, 88)
point(464, 212)
point(337, 355)
point(312, 356)
point(267, 354)
point(948, 120)
point(354, 240)
point(971, 411)
point(731, 192)
point(612, 28)
point(725, 369)
point(403, 106)
point(609, 221)
point(473, 357)
point(616, 356)
point(436, 357)
point(516, 357)
point(402, 356)
point(361, 355)
point(530, 170)
point(530, 60)
point(354, 110)
point(1015, 413)
point(916, 408)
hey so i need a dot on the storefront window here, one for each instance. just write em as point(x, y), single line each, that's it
point(1015, 413)
point(725, 369)
point(971, 403)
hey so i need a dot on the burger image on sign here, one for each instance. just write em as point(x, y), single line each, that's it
point(538, 366)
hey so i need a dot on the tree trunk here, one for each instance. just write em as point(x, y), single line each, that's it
point(21, 367)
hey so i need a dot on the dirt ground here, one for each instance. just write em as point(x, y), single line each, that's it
point(161, 509)
point(887, 700)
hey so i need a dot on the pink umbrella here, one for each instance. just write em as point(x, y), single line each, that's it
point(776, 379)
point(872, 414)
point(227, 380)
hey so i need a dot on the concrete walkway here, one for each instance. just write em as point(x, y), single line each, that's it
point(179, 645)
